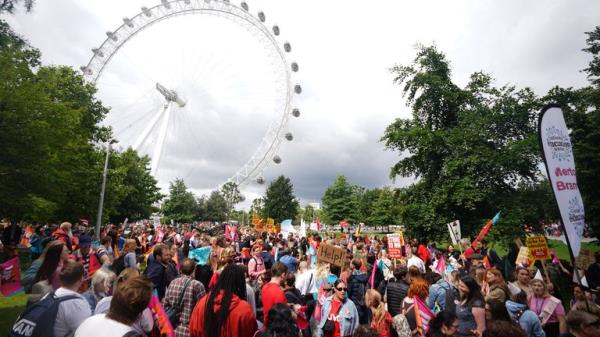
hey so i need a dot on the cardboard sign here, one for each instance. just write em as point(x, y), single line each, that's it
point(331, 254)
point(394, 246)
point(585, 259)
point(524, 258)
point(538, 247)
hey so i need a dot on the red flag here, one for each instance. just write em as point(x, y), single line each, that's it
point(486, 229)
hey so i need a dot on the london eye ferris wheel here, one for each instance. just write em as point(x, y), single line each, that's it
point(203, 87)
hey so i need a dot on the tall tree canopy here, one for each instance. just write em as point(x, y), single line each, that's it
point(279, 201)
point(339, 201)
point(471, 148)
point(181, 203)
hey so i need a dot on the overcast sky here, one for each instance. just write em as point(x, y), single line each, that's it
point(344, 49)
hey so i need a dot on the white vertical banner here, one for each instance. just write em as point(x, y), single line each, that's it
point(560, 163)
point(454, 229)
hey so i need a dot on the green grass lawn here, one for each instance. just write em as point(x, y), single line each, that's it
point(10, 308)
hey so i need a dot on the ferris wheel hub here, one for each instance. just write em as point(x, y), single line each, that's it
point(170, 95)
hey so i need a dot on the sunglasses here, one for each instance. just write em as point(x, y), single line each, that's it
point(341, 289)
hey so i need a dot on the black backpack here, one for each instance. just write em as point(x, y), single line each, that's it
point(450, 299)
point(118, 265)
point(38, 320)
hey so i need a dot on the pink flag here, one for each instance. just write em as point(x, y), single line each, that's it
point(161, 317)
point(10, 277)
point(422, 315)
point(440, 268)
point(372, 278)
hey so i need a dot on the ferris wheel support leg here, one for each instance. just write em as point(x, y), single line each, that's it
point(161, 138)
point(144, 135)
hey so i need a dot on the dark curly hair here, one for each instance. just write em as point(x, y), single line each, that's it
point(281, 323)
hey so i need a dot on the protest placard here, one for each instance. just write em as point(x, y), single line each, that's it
point(524, 258)
point(331, 254)
point(394, 246)
point(538, 247)
point(454, 229)
point(10, 277)
point(585, 259)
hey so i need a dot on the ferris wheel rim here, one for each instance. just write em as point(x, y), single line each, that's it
point(276, 132)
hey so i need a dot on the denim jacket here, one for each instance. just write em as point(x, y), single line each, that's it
point(348, 317)
point(437, 295)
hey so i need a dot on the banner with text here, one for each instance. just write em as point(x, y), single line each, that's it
point(560, 163)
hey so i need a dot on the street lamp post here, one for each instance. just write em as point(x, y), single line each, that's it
point(102, 189)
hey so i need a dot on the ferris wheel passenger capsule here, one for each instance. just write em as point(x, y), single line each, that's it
point(277, 159)
point(260, 180)
point(244, 5)
point(287, 47)
point(296, 112)
point(146, 11)
point(295, 67)
point(166, 4)
point(276, 30)
point(128, 22)
point(85, 70)
point(261, 16)
point(298, 89)
point(112, 36)
point(289, 136)
point(97, 52)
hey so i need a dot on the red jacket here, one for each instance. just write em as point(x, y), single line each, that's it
point(60, 235)
point(424, 253)
point(240, 322)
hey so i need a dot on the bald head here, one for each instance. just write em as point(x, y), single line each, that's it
point(187, 266)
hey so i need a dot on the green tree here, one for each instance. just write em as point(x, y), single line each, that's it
point(309, 214)
point(9, 6)
point(384, 209)
point(470, 148)
point(339, 202)
point(366, 201)
point(232, 195)
point(280, 202)
point(140, 189)
point(216, 207)
point(258, 207)
point(181, 203)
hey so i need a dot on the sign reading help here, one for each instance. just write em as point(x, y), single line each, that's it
point(331, 254)
point(585, 259)
point(538, 247)
point(394, 246)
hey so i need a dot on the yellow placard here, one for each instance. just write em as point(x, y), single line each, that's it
point(538, 247)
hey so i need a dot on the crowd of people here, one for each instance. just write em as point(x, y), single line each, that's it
point(268, 284)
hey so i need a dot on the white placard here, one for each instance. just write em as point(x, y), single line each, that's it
point(560, 163)
point(454, 229)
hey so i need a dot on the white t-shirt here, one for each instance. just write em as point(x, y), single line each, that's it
point(71, 313)
point(304, 282)
point(417, 262)
point(144, 323)
point(100, 326)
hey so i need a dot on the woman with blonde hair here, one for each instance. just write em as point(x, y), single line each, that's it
point(497, 288)
point(102, 285)
point(129, 252)
point(382, 320)
point(548, 308)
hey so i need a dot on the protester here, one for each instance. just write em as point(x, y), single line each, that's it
point(548, 308)
point(497, 288)
point(130, 256)
point(520, 313)
point(145, 321)
point(256, 265)
point(416, 261)
point(582, 324)
point(381, 319)
point(496, 311)
point(103, 251)
point(224, 312)
point(418, 289)
point(64, 234)
point(11, 237)
point(128, 303)
point(73, 312)
point(47, 277)
point(357, 286)
point(281, 323)
point(271, 292)
point(102, 283)
point(339, 316)
point(156, 271)
point(523, 277)
point(503, 329)
point(439, 292)
point(582, 300)
point(470, 309)
point(445, 324)
point(182, 294)
point(36, 241)
point(396, 290)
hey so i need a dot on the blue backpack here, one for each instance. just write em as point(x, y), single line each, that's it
point(38, 320)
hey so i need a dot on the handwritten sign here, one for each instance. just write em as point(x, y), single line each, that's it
point(331, 254)
point(538, 247)
point(394, 246)
point(585, 259)
point(524, 258)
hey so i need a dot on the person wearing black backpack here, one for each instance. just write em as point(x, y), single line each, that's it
point(128, 302)
point(59, 313)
